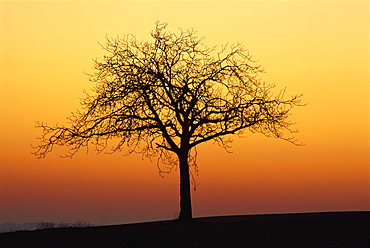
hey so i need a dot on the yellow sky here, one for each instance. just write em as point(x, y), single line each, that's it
point(318, 48)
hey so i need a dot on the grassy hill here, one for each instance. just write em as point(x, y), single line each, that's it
point(336, 229)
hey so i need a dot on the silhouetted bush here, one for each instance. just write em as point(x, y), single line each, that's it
point(45, 225)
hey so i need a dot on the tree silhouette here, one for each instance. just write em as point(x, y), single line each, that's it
point(163, 98)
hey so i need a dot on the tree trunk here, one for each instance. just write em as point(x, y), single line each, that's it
point(185, 196)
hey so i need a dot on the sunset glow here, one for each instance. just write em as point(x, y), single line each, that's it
point(317, 48)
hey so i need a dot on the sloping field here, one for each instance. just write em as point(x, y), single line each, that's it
point(337, 229)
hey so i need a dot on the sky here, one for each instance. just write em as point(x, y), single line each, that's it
point(317, 48)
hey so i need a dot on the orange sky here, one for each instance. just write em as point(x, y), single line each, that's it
point(318, 48)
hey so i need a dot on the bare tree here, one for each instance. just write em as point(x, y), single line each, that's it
point(165, 97)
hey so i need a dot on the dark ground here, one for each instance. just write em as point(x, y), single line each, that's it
point(337, 229)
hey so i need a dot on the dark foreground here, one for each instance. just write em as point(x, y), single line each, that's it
point(338, 229)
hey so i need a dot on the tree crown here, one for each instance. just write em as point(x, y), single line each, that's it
point(167, 96)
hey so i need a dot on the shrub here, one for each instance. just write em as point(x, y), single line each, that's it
point(45, 225)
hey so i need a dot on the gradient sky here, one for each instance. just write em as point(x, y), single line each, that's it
point(318, 48)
